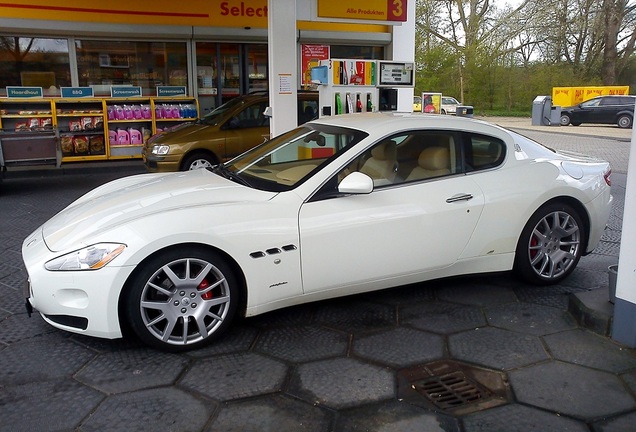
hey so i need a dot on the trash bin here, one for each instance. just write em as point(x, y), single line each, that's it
point(613, 272)
point(555, 116)
point(464, 111)
point(541, 111)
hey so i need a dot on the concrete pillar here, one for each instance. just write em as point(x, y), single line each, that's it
point(624, 325)
point(283, 65)
point(402, 48)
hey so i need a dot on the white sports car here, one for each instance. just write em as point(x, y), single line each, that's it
point(339, 206)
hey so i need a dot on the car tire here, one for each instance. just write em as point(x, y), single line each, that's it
point(198, 160)
point(443, 111)
point(181, 299)
point(624, 121)
point(565, 120)
point(550, 245)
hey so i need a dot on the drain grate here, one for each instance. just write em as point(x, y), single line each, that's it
point(452, 390)
point(453, 387)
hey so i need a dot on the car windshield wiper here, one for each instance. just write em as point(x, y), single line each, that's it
point(224, 171)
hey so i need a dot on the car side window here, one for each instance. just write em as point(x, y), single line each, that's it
point(252, 116)
point(483, 152)
point(407, 157)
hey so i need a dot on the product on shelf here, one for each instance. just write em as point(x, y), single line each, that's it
point(80, 144)
point(66, 143)
point(96, 144)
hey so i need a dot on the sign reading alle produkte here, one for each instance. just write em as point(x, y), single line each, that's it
point(76, 92)
point(24, 92)
point(125, 91)
point(374, 10)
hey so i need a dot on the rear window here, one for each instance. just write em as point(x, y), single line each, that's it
point(483, 152)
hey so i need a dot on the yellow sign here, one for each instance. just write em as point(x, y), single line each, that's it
point(213, 13)
point(375, 10)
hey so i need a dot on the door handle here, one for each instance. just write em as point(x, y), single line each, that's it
point(459, 197)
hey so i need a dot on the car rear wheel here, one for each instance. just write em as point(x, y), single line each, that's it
point(550, 245)
point(198, 160)
point(182, 299)
point(565, 119)
point(624, 121)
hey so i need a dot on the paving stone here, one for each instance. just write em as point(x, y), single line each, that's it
point(238, 338)
point(442, 317)
point(295, 315)
point(21, 328)
point(519, 418)
point(129, 370)
point(405, 295)
point(355, 316)
point(394, 416)
point(582, 279)
point(58, 405)
point(236, 376)
point(44, 358)
point(477, 292)
point(342, 383)
point(496, 348)
point(572, 390)
point(554, 296)
point(270, 414)
point(630, 380)
point(100, 345)
point(588, 349)
point(530, 318)
point(155, 410)
point(624, 423)
point(302, 343)
point(400, 347)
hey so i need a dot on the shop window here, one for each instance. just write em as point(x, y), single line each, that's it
point(101, 64)
point(34, 62)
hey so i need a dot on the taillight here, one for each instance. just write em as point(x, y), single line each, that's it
point(608, 177)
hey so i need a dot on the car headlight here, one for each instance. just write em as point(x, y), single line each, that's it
point(90, 258)
point(160, 150)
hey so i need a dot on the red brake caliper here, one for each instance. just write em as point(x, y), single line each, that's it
point(533, 243)
point(202, 286)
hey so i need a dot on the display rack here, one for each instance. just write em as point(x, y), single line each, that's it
point(52, 131)
point(81, 127)
point(27, 133)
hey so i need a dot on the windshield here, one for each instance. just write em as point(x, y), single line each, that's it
point(212, 118)
point(289, 159)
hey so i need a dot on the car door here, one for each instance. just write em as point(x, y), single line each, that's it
point(246, 129)
point(398, 232)
point(588, 111)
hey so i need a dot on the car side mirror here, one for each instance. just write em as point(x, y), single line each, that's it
point(356, 183)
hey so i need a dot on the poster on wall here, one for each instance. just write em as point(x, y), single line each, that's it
point(431, 103)
point(311, 55)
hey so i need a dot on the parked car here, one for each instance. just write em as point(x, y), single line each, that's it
point(342, 205)
point(449, 105)
point(617, 110)
point(224, 133)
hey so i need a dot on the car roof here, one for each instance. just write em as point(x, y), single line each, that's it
point(383, 123)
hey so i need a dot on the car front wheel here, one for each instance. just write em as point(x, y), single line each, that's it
point(550, 245)
point(182, 299)
point(624, 121)
point(565, 119)
point(198, 160)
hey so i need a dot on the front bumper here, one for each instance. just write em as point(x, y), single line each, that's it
point(84, 302)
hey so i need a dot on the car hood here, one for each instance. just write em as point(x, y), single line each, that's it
point(187, 133)
point(122, 201)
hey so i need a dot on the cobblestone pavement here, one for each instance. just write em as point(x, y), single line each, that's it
point(361, 363)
